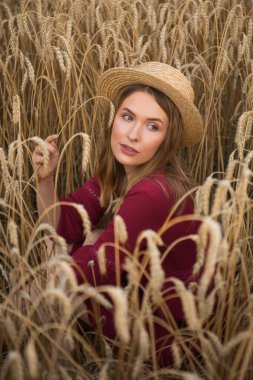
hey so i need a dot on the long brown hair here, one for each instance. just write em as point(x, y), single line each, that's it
point(111, 174)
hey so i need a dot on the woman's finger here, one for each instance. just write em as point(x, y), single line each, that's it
point(51, 138)
point(37, 150)
point(38, 160)
point(51, 148)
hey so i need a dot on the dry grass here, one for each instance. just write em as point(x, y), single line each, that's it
point(52, 54)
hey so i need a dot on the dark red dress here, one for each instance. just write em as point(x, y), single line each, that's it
point(145, 206)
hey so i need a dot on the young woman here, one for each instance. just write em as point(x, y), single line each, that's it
point(139, 177)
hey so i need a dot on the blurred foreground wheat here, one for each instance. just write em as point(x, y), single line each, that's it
point(52, 54)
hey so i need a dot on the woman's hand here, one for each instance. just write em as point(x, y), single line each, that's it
point(93, 237)
point(43, 172)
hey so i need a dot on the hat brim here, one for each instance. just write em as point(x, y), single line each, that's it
point(112, 80)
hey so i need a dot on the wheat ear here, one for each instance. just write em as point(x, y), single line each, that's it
point(102, 259)
point(119, 298)
point(210, 236)
point(13, 368)
point(13, 232)
point(120, 229)
point(31, 358)
point(46, 227)
point(16, 109)
point(91, 292)
point(5, 170)
point(243, 131)
point(52, 294)
point(85, 218)
point(188, 304)
point(86, 151)
point(157, 275)
point(43, 148)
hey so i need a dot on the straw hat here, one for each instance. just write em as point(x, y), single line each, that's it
point(164, 78)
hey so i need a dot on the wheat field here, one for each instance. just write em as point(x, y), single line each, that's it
point(52, 53)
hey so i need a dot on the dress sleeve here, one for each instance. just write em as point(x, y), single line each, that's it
point(70, 224)
point(144, 207)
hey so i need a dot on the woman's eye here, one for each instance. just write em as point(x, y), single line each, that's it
point(152, 127)
point(127, 117)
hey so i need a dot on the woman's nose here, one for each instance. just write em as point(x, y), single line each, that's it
point(134, 133)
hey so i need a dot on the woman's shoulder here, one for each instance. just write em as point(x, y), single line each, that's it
point(155, 186)
point(160, 192)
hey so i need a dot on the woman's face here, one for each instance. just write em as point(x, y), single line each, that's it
point(139, 128)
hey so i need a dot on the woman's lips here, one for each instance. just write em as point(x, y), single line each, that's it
point(128, 150)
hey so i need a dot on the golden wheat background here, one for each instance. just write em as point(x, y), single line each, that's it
point(52, 53)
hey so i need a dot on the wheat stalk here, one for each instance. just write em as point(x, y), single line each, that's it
point(16, 109)
point(68, 341)
point(203, 196)
point(20, 157)
point(243, 131)
point(13, 37)
point(103, 375)
point(24, 82)
point(188, 304)
point(53, 294)
point(45, 227)
point(5, 170)
point(68, 64)
point(66, 273)
point(85, 152)
point(60, 58)
point(10, 329)
point(142, 336)
point(91, 292)
point(132, 272)
point(64, 375)
point(210, 232)
point(220, 197)
point(13, 232)
point(120, 229)
point(85, 218)
point(32, 360)
point(102, 259)
point(4, 274)
point(12, 368)
point(7, 9)
point(121, 322)
point(177, 355)
point(231, 169)
point(30, 70)
point(46, 31)
point(157, 274)
point(242, 336)
point(250, 29)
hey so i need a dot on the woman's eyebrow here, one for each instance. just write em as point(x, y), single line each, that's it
point(128, 110)
point(149, 118)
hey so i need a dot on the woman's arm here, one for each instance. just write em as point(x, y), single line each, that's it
point(70, 224)
point(93, 237)
point(46, 196)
